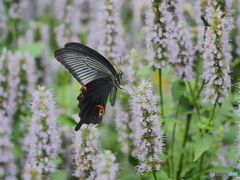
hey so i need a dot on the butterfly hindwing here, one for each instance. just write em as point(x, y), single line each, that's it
point(92, 101)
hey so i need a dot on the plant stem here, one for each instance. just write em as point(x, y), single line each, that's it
point(212, 115)
point(154, 175)
point(194, 100)
point(189, 116)
point(201, 164)
point(173, 140)
point(162, 113)
point(161, 93)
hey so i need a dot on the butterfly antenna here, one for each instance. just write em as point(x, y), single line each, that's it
point(124, 90)
point(130, 85)
point(120, 64)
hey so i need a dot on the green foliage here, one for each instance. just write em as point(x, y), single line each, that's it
point(35, 49)
point(178, 89)
point(202, 142)
point(59, 175)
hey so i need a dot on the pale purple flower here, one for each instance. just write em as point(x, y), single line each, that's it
point(86, 152)
point(9, 80)
point(148, 130)
point(122, 121)
point(217, 57)
point(18, 9)
point(3, 22)
point(43, 139)
point(69, 17)
point(8, 169)
point(180, 46)
point(27, 68)
point(200, 26)
point(66, 149)
point(7, 108)
point(159, 39)
point(111, 44)
point(106, 167)
point(238, 36)
point(183, 63)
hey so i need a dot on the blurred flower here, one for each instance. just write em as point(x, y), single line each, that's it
point(43, 139)
point(217, 57)
point(122, 121)
point(66, 150)
point(3, 22)
point(147, 128)
point(181, 60)
point(18, 9)
point(86, 152)
point(183, 63)
point(111, 44)
point(27, 74)
point(160, 25)
point(9, 80)
point(8, 92)
point(106, 167)
point(238, 36)
point(8, 169)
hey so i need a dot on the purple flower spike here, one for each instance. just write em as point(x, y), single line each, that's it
point(217, 56)
point(86, 152)
point(43, 139)
point(148, 130)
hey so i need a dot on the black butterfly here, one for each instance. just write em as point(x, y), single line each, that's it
point(97, 76)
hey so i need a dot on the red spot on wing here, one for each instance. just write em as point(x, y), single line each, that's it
point(101, 110)
point(84, 88)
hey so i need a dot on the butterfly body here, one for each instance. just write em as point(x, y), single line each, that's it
point(97, 76)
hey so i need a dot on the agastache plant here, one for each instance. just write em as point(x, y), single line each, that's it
point(86, 152)
point(43, 139)
point(216, 56)
point(147, 129)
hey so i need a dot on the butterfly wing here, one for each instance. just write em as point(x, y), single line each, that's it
point(84, 66)
point(92, 101)
point(83, 48)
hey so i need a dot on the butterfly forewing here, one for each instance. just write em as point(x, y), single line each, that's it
point(83, 67)
point(92, 53)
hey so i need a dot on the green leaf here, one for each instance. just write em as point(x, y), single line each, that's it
point(172, 120)
point(144, 71)
point(58, 160)
point(133, 160)
point(186, 106)
point(178, 88)
point(202, 142)
point(34, 49)
point(161, 175)
point(59, 175)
